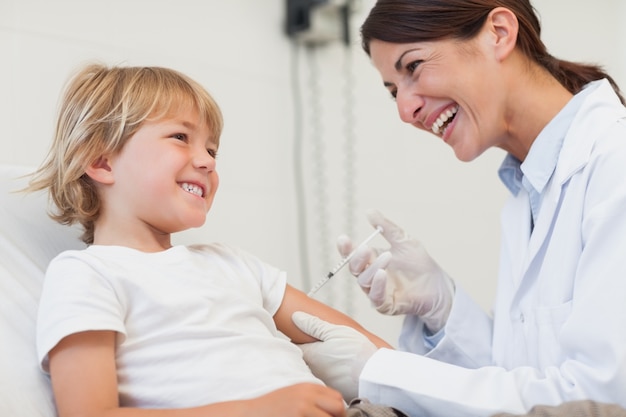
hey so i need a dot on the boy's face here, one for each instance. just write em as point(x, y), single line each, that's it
point(164, 177)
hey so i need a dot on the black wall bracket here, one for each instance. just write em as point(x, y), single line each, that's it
point(318, 21)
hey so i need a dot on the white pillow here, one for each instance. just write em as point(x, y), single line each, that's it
point(29, 239)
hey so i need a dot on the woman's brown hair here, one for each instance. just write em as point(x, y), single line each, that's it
point(409, 21)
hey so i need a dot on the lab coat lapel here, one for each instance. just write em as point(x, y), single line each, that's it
point(545, 221)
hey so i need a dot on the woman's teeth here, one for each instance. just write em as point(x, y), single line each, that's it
point(192, 188)
point(443, 119)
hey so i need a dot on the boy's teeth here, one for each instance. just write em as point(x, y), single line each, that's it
point(192, 188)
point(442, 119)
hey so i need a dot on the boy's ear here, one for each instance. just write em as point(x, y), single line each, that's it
point(504, 26)
point(100, 170)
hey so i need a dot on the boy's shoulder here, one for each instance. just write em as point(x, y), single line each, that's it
point(217, 249)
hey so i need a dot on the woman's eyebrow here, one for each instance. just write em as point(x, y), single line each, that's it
point(398, 64)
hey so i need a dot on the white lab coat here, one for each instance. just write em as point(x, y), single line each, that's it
point(558, 331)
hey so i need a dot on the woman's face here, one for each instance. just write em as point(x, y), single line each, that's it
point(447, 87)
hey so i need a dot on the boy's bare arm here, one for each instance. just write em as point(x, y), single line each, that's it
point(82, 370)
point(296, 300)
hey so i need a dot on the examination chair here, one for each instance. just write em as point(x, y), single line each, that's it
point(29, 239)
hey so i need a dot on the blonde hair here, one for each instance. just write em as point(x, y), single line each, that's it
point(102, 107)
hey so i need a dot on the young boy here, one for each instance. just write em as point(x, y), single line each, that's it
point(133, 325)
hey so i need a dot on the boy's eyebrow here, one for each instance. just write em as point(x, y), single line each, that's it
point(184, 123)
point(187, 124)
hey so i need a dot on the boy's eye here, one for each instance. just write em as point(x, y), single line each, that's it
point(212, 152)
point(180, 136)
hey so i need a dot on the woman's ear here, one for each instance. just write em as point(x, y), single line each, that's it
point(100, 170)
point(504, 27)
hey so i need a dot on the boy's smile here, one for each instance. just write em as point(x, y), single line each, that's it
point(193, 189)
point(163, 180)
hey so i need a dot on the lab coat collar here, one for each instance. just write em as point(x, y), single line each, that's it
point(600, 109)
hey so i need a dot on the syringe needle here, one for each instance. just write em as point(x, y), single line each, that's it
point(343, 263)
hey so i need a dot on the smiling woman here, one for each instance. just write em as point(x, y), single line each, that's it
point(476, 74)
point(446, 54)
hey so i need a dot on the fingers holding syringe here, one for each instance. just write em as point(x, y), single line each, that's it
point(360, 257)
point(369, 278)
point(344, 245)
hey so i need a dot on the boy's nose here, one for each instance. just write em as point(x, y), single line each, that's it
point(202, 159)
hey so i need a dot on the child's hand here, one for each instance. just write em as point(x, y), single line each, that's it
point(300, 400)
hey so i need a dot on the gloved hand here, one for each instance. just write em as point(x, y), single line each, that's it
point(403, 279)
point(340, 355)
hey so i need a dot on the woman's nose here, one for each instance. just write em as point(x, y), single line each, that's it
point(409, 105)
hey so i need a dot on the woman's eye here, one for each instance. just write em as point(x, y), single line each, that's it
point(392, 90)
point(412, 66)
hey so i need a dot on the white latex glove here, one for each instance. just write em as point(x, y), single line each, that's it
point(340, 355)
point(403, 279)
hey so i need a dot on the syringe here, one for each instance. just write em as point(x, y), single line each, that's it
point(342, 263)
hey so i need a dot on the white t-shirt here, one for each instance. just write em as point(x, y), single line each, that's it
point(194, 323)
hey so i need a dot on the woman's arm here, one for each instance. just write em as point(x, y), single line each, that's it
point(295, 300)
point(84, 381)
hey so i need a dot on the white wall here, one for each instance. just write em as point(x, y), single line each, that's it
point(237, 49)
